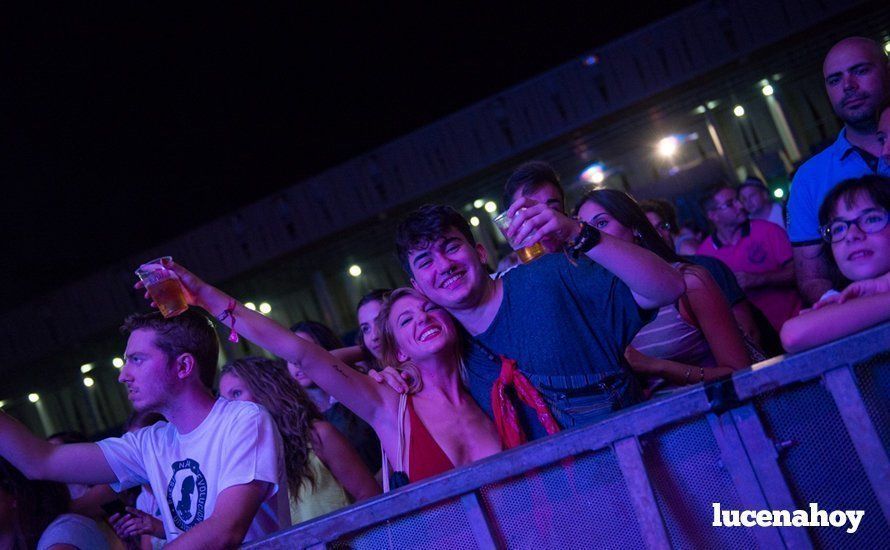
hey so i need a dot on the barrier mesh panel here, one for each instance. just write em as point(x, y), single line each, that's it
point(688, 476)
point(582, 503)
point(821, 465)
point(873, 379)
point(442, 525)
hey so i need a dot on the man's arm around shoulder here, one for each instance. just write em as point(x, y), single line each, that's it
point(232, 515)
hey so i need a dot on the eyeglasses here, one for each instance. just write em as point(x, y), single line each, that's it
point(869, 222)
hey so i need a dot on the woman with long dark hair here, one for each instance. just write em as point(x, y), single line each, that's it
point(694, 340)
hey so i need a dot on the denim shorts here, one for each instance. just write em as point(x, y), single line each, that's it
point(580, 400)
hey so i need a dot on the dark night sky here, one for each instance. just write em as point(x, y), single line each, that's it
point(129, 123)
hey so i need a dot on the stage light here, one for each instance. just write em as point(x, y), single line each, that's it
point(2, 403)
point(250, 305)
point(887, 46)
point(117, 362)
point(265, 308)
point(738, 111)
point(490, 207)
point(779, 193)
point(88, 382)
point(33, 397)
point(767, 90)
point(85, 368)
point(474, 221)
point(355, 270)
point(594, 174)
point(478, 203)
point(668, 146)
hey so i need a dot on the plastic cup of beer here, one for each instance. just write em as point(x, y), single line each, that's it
point(525, 253)
point(163, 286)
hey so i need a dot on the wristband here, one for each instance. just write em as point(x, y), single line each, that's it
point(229, 313)
point(587, 238)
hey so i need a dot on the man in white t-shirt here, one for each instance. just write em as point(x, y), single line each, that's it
point(215, 466)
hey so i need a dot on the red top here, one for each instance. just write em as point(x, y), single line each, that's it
point(426, 458)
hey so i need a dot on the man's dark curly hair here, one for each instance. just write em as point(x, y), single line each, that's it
point(425, 226)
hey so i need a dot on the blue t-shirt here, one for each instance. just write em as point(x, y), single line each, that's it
point(815, 178)
point(567, 327)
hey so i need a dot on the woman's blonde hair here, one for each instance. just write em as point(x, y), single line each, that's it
point(290, 407)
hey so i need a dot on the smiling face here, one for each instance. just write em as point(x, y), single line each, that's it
point(420, 329)
point(450, 271)
point(367, 317)
point(856, 75)
point(861, 255)
point(148, 373)
point(597, 216)
point(234, 389)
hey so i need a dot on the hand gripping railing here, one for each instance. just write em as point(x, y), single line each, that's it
point(795, 430)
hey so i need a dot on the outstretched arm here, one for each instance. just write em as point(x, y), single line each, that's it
point(38, 459)
point(652, 281)
point(355, 390)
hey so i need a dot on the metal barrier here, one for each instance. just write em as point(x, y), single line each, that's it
point(808, 428)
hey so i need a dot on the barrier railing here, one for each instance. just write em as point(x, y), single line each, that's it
point(796, 430)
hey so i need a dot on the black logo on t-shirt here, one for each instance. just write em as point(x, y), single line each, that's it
point(187, 494)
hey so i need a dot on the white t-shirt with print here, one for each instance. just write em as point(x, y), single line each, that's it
point(237, 443)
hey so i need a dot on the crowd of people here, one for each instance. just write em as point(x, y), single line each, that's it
point(623, 306)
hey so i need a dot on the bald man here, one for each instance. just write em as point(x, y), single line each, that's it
point(857, 80)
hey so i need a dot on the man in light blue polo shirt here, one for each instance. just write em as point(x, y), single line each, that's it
point(857, 80)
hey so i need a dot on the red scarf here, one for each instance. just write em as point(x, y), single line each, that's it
point(505, 417)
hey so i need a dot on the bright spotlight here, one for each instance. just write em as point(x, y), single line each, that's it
point(593, 174)
point(2, 403)
point(265, 308)
point(88, 382)
point(117, 362)
point(668, 146)
point(779, 193)
point(86, 368)
point(490, 207)
point(887, 46)
point(738, 111)
point(33, 397)
point(478, 203)
point(474, 221)
point(355, 270)
point(767, 90)
point(250, 305)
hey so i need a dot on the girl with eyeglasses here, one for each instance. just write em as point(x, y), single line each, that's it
point(856, 240)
